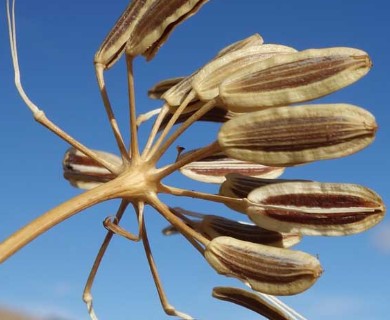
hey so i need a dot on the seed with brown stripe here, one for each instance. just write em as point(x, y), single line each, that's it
point(293, 78)
point(265, 269)
point(287, 136)
point(315, 208)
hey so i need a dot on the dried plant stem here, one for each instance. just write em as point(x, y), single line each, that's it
point(203, 196)
point(38, 114)
point(156, 154)
point(87, 296)
point(110, 113)
point(53, 217)
point(194, 156)
point(176, 222)
point(156, 126)
point(168, 308)
point(134, 148)
point(170, 124)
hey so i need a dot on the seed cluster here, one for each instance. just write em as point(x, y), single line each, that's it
point(251, 90)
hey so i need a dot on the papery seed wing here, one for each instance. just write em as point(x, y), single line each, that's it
point(143, 27)
point(207, 81)
point(292, 78)
point(265, 269)
point(163, 86)
point(286, 136)
point(213, 169)
point(268, 306)
point(314, 208)
point(83, 172)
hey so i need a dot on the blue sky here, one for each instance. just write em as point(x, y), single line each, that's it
point(57, 41)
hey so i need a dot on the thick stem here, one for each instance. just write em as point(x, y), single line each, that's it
point(53, 217)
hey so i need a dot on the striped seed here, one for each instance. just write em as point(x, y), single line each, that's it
point(287, 136)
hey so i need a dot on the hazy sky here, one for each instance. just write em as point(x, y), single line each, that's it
point(57, 41)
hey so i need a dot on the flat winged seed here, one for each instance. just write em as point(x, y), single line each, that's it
point(267, 306)
point(143, 27)
point(314, 208)
point(293, 78)
point(163, 86)
point(207, 81)
point(213, 169)
point(266, 269)
point(85, 173)
point(287, 136)
point(214, 226)
point(176, 95)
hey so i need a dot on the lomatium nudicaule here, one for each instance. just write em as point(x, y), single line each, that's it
point(254, 91)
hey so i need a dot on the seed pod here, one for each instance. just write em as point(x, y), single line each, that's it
point(314, 208)
point(207, 81)
point(176, 95)
point(143, 28)
point(213, 169)
point(83, 172)
point(268, 306)
point(239, 186)
point(163, 86)
point(288, 136)
point(265, 269)
point(292, 78)
point(214, 226)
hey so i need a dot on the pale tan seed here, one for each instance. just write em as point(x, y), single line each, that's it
point(293, 78)
point(207, 81)
point(176, 95)
point(83, 172)
point(213, 169)
point(287, 136)
point(265, 269)
point(314, 208)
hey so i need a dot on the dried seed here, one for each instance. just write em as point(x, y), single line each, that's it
point(239, 186)
point(265, 269)
point(83, 172)
point(214, 226)
point(207, 81)
point(287, 136)
point(213, 169)
point(176, 95)
point(143, 28)
point(163, 86)
point(314, 208)
point(292, 78)
point(267, 306)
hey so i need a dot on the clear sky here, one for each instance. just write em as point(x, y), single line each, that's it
point(57, 41)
